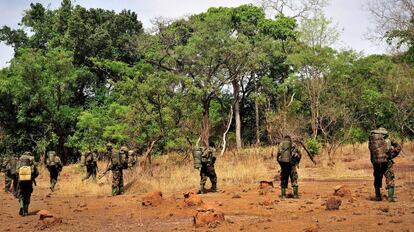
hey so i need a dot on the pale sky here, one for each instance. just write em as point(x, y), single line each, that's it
point(349, 15)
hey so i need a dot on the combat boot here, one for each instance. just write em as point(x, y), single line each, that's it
point(391, 194)
point(295, 192)
point(378, 196)
point(283, 193)
point(214, 187)
point(202, 189)
point(21, 208)
point(26, 210)
point(114, 191)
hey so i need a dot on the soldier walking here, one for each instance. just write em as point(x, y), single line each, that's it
point(383, 151)
point(288, 157)
point(91, 165)
point(27, 173)
point(118, 162)
point(54, 165)
point(10, 177)
point(205, 159)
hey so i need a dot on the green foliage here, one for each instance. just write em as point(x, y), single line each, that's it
point(83, 77)
point(314, 146)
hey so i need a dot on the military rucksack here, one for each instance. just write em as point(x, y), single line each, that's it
point(284, 153)
point(120, 159)
point(12, 165)
point(197, 154)
point(25, 169)
point(51, 160)
point(379, 147)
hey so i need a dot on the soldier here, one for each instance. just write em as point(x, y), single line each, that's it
point(118, 162)
point(54, 165)
point(383, 151)
point(11, 175)
point(208, 159)
point(288, 157)
point(91, 165)
point(131, 159)
point(27, 173)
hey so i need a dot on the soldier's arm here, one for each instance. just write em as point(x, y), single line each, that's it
point(396, 149)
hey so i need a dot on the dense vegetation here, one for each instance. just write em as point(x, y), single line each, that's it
point(83, 77)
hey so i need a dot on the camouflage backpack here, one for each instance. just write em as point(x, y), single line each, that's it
point(51, 160)
point(12, 165)
point(284, 153)
point(120, 158)
point(379, 146)
point(25, 168)
point(197, 154)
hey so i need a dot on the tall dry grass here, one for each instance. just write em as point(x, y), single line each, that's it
point(172, 173)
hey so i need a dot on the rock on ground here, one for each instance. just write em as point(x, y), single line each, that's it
point(46, 219)
point(152, 199)
point(342, 191)
point(192, 199)
point(333, 203)
point(207, 217)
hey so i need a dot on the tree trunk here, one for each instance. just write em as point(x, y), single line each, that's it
point(205, 127)
point(236, 90)
point(256, 110)
point(147, 165)
point(224, 145)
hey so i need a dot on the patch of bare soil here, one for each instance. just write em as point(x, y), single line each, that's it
point(252, 210)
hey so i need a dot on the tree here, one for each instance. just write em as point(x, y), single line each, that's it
point(312, 60)
point(43, 87)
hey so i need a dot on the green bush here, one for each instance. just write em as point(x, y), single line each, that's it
point(314, 146)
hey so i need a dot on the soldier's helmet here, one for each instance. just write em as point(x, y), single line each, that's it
point(51, 153)
point(27, 153)
point(124, 149)
point(381, 131)
point(130, 152)
point(109, 145)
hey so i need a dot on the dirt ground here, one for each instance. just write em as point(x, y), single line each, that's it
point(246, 208)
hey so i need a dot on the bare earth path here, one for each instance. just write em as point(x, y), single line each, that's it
point(246, 213)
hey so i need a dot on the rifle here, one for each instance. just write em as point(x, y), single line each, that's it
point(104, 173)
point(306, 149)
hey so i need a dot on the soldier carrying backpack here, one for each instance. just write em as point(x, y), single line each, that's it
point(118, 162)
point(288, 157)
point(383, 151)
point(27, 173)
point(204, 160)
point(10, 177)
point(54, 165)
point(91, 165)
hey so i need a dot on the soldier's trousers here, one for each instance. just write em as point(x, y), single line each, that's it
point(208, 172)
point(54, 173)
point(25, 191)
point(10, 180)
point(90, 171)
point(383, 169)
point(117, 182)
point(288, 171)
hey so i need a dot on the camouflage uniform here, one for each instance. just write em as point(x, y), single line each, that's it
point(55, 167)
point(383, 151)
point(119, 161)
point(11, 175)
point(91, 165)
point(207, 170)
point(288, 157)
point(26, 187)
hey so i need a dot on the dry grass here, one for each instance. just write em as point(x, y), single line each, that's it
point(173, 174)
